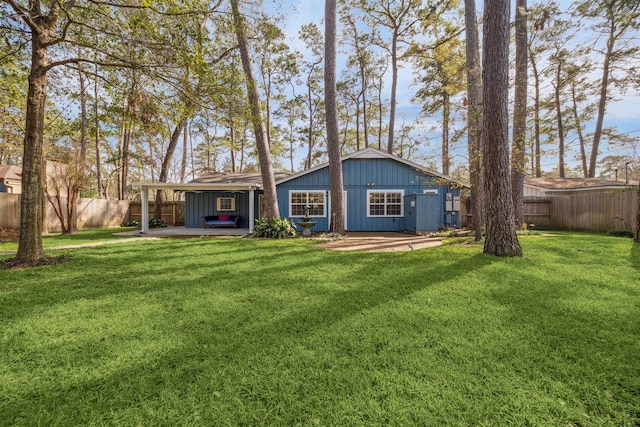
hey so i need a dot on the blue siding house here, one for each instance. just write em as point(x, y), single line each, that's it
point(383, 192)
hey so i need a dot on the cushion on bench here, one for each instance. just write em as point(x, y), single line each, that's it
point(220, 221)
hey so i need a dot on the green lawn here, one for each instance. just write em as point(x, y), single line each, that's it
point(81, 237)
point(252, 332)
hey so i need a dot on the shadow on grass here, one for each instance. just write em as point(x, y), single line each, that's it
point(273, 304)
point(635, 256)
point(580, 334)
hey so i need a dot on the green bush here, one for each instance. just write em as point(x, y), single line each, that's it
point(153, 223)
point(131, 224)
point(277, 228)
point(620, 233)
point(156, 223)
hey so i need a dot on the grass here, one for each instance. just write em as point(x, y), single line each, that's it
point(253, 332)
point(81, 237)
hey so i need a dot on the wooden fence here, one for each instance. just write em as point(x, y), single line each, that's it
point(9, 211)
point(582, 211)
point(594, 211)
point(172, 212)
point(587, 211)
point(90, 213)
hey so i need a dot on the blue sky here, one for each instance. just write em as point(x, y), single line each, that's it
point(623, 113)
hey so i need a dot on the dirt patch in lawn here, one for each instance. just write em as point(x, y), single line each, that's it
point(381, 242)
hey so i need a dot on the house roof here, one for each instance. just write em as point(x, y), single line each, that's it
point(253, 180)
point(373, 153)
point(249, 178)
point(10, 172)
point(575, 184)
point(214, 181)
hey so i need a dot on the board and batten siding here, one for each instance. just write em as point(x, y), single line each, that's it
point(200, 204)
point(359, 176)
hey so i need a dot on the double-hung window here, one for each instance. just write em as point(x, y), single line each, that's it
point(300, 201)
point(385, 203)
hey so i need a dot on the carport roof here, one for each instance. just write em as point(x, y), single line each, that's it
point(214, 181)
point(234, 178)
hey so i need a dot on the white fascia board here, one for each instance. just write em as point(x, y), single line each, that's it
point(198, 186)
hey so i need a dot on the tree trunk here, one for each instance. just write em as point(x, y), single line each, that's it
point(578, 125)
point(77, 173)
point(311, 124)
point(519, 114)
point(380, 110)
point(357, 125)
point(101, 190)
point(636, 235)
point(446, 112)
point(501, 238)
point(535, 161)
point(123, 149)
point(474, 115)
point(331, 108)
point(30, 247)
point(394, 89)
point(602, 105)
point(262, 144)
point(560, 123)
point(362, 72)
point(185, 152)
point(164, 170)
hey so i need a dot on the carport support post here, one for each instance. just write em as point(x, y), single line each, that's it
point(252, 208)
point(144, 203)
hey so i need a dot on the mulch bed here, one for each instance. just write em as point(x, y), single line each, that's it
point(8, 235)
point(13, 264)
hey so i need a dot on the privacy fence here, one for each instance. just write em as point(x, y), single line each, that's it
point(172, 212)
point(587, 211)
point(583, 211)
point(90, 213)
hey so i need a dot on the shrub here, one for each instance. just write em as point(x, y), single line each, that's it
point(620, 233)
point(131, 224)
point(526, 230)
point(153, 223)
point(156, 223)
point(277, 228)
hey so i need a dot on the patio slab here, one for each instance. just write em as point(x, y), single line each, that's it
point(355, 241)
point(185, 232)
point(382, 242)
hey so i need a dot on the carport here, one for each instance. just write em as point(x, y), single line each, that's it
point(145, 187)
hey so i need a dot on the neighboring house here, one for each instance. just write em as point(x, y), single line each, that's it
point(10, 179)
point(540, 187)
point(56, 175)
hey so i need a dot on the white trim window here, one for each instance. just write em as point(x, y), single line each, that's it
point(299, 200)
point(385, 203)
point(226, 204)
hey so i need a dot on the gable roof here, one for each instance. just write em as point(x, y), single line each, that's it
point(10, 172)
point(575, 184)
point(374, 153)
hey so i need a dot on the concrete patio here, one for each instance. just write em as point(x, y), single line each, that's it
point(185, 232)
point(354, 241)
